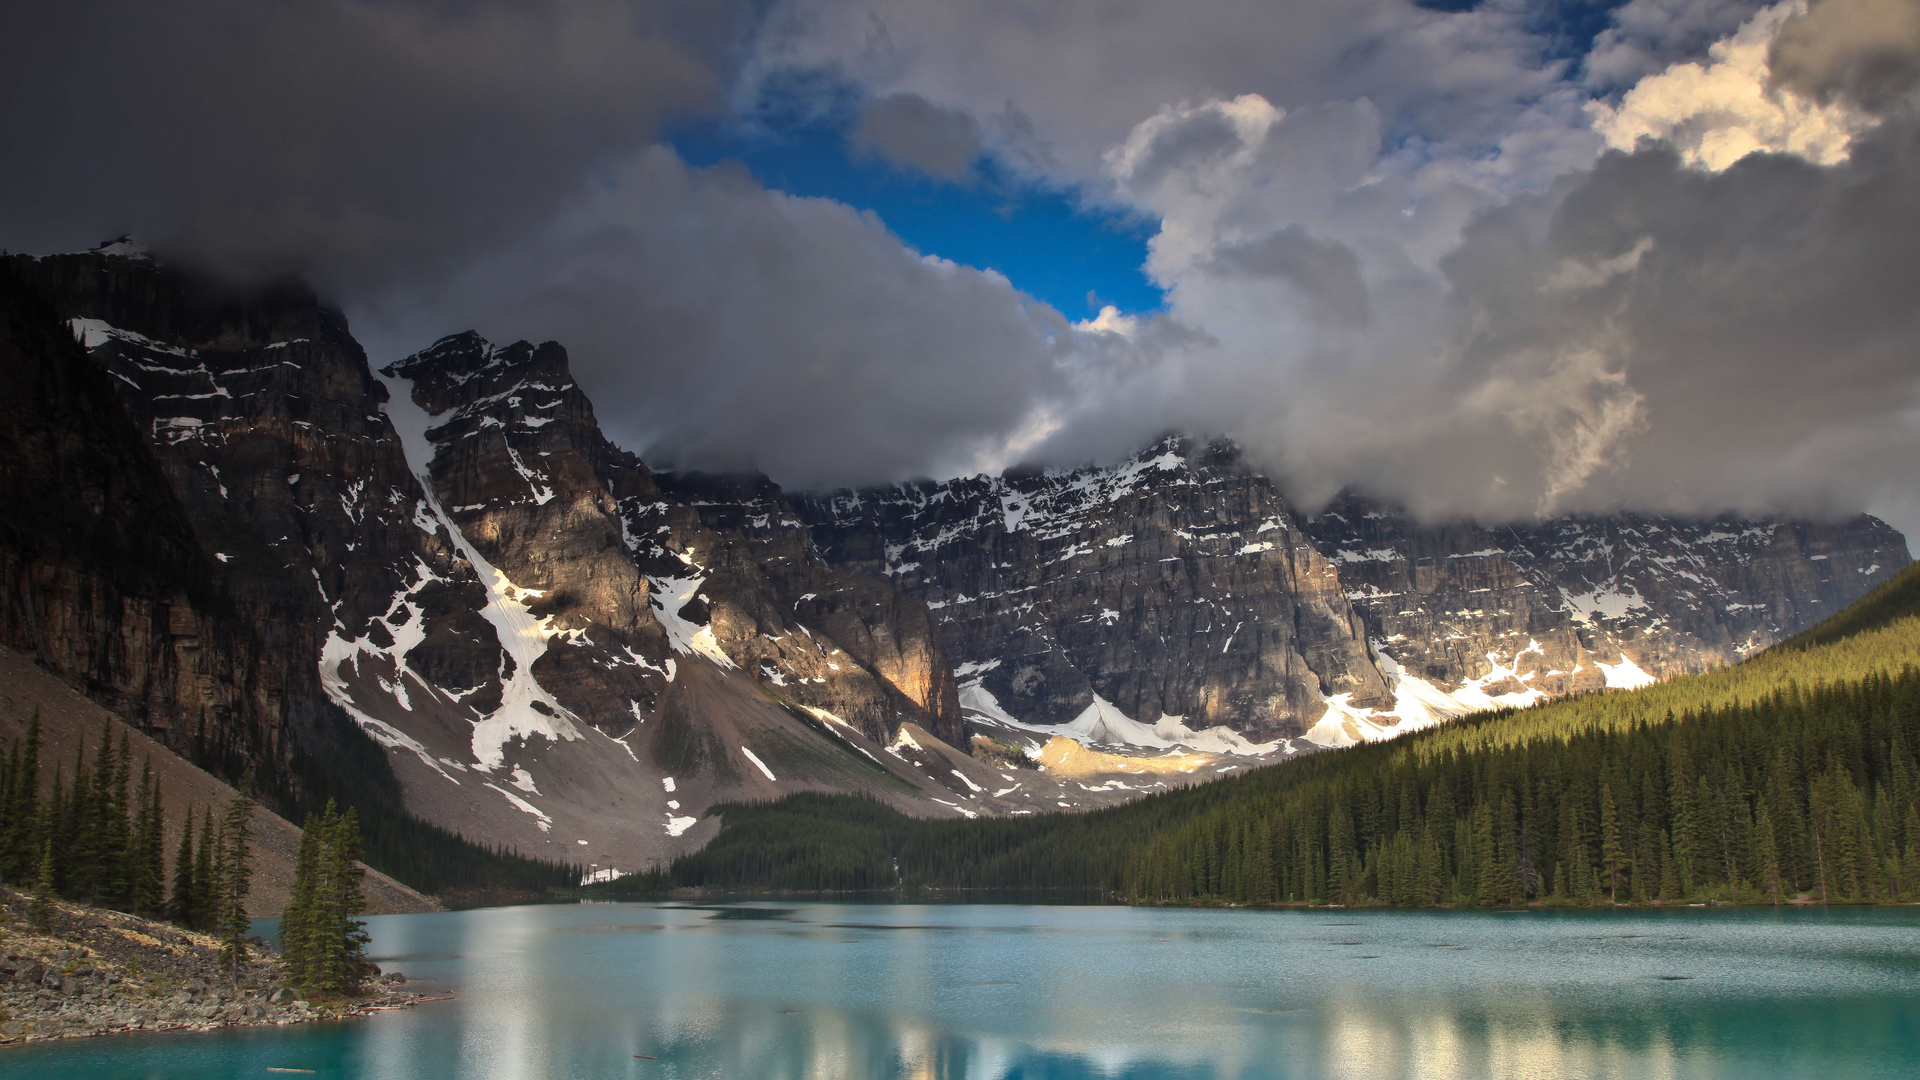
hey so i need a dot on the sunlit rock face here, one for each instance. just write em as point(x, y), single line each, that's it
point(1181, 584)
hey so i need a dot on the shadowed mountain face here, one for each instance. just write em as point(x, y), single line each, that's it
point(566, 652)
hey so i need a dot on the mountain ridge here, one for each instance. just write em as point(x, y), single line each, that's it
point(564, 652)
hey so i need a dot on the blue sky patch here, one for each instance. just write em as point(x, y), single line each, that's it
point(1048, 246)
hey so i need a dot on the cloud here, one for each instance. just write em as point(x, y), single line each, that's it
point(1402, 249)
point(1719, 112)
point(912, 131)
point(1865, 51)
point(1673, 326)
point(355, 140)
point(720, 325)
point(1648, 36)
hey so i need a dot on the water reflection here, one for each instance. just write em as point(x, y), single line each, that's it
point(830, 992)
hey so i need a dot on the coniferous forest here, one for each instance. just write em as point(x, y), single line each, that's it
point(1791, 777)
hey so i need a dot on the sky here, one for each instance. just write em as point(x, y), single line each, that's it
point(1505, 260)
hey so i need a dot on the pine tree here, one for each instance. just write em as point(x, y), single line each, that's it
point(40, 913)
point(143, 881)
point(297, 923)
point(325, 944)
point(234, 881)
point(1611, 853)
point(52, 829)
point(347, 947)
point(115, 771)
point(21, 857)
point(181, 904)
point(205, 876)
point(1769, 857)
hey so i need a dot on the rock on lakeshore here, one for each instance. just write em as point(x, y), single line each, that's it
point(98, 972)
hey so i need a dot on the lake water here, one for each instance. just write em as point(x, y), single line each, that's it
point(989, 992)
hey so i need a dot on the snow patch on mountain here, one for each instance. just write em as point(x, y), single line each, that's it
point(668, 596)
point(526, 708)
point(1418, 703)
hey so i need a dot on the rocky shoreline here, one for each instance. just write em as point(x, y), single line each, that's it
point(99, 972)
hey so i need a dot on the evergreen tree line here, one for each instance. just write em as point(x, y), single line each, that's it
point(323, 945)
point(98, 839)
point(99, 835)
point(1793, 773)
point(1813, 794)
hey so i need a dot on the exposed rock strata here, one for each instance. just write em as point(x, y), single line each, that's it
point(565, 652)
point(1553, 600)
point(1182, 584)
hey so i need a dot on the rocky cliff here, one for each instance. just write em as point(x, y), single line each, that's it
point(104, 579)
point(1179, 590)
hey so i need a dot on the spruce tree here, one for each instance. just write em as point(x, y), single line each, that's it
point(115, 827)
point(40, 912)
point(143, 883)
point(297, 937)
point(234, 881)
point(53, 834)
point(22, 853)
point(205, 874)
point(347, 945)
point(180, 903)
point(1611, 853)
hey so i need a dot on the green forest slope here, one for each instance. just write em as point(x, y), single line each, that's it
point(1791, 776)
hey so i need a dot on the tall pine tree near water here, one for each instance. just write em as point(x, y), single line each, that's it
point(180, 903)
point(324, 945)
point(234, 880)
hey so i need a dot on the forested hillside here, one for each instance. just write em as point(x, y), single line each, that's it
point(1792, 775)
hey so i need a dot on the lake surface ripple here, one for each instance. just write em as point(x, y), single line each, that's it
point(822, 991)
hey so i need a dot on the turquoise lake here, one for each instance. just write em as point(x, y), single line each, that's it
point(820, 991)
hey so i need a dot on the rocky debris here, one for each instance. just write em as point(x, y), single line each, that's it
point(99, 972)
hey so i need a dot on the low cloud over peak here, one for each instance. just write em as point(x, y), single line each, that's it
point(1423, 253)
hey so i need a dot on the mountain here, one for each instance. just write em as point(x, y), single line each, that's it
point(1179, 590)
point(561, 651)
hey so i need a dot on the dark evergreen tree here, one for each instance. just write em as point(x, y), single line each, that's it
point(234, 880)
point(181, 901)
point(206, 873)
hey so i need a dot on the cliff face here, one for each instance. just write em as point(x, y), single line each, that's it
point(1166, 587)
point(1673, 596)
point(635, 569)
point(1179, 584)
point(105, 583)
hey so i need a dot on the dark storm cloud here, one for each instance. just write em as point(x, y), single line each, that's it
point(1326, 273)
point(1755, 327)
point(912, 131)
point(358, 139)
point(719, 325)
point(1867, 51)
